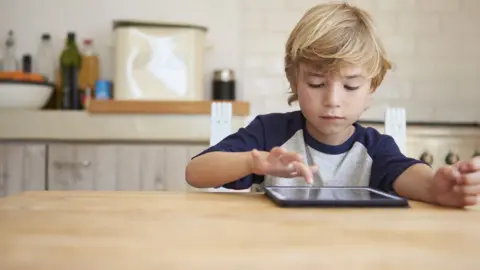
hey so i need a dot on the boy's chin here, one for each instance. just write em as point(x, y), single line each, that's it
point(332, 128)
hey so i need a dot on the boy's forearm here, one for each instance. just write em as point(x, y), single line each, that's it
point(415, 183)
point(215, 169)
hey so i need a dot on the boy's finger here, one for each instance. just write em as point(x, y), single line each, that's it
point(470, 200)
point(290, 157)
point(275, 153)
point(303, 170)
point(467, 189)
point(450, 173)
point(469, 166)
point(470, 178)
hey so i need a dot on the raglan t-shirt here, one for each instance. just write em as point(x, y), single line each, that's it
point(367, 158)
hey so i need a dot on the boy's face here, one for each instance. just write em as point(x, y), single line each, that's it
point(332, 102)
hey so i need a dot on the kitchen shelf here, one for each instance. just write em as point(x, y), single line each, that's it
point(239, 108)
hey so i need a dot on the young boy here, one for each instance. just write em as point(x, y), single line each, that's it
point(334, 62)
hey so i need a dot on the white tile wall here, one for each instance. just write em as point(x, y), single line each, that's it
point(435, 45)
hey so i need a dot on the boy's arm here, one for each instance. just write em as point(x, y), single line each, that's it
point(228, 163)
point(394, 172)
point(216, 169)
point(416, 183)
point(456, 186)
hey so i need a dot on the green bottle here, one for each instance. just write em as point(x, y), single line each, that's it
point(70, 64)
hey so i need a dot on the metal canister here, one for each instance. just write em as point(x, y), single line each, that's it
point(223, 85)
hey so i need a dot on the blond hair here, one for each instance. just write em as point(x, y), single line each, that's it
point(331, 35)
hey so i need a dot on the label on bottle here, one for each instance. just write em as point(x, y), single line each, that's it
point(70, 93)
point(65, 89)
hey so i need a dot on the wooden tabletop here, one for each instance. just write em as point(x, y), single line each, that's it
point(147, 230)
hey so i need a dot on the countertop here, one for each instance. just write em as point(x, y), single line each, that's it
point(157, 230)
point(80, 125)
point(54, 125)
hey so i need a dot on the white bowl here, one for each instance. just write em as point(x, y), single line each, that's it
point(24, 95)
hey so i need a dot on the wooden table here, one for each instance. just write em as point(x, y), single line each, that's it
point(141, 230)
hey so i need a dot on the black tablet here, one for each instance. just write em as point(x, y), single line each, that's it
point(333, 197)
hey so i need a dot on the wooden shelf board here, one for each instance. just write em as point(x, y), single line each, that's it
point(239, 108)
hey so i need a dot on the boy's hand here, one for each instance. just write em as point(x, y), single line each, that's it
point(458, 185)
point(278, 162)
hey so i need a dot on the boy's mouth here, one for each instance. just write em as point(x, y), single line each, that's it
point(329, 117)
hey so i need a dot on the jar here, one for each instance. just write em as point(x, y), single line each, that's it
point(223, 85)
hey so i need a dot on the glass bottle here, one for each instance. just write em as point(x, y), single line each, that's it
point(70, 64)
point(45, 63)
point(9, 61)
point(89, 73)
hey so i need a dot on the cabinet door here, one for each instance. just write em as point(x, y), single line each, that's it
point(120, 166)
point(22, 167)
point(105, 167)
point(177, 158)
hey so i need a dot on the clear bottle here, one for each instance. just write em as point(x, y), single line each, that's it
point(89, 72)
point(10, 61)
point(45, 60)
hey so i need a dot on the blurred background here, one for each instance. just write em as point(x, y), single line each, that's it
point(204, 50)
point(433, 43)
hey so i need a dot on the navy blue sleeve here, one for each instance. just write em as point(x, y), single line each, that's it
point(388, 164)
point(245, 139)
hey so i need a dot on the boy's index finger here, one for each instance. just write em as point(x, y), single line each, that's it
point(304, 171)
point(277, 151)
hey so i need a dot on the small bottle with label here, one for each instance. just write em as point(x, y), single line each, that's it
point(103, 90)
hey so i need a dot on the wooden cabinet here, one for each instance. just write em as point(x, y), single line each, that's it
point(119, 166)
point(22, 167)
point(94, 166)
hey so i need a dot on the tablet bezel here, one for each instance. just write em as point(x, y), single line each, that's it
point(389, 201)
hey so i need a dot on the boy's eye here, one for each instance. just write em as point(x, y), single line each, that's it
point(318, 85)
point(351, 88)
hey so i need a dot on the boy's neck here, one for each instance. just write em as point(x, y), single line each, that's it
point(334, 139)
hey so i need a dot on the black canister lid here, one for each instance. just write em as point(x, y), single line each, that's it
point(27, 63)
point(46, 36)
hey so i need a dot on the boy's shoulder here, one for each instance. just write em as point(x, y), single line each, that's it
point(281, 119)
point(277, 127)
point(375, 141)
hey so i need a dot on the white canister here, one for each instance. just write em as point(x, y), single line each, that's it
point(158, 61)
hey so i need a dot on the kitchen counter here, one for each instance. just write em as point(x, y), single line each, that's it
point(80, 125)
point(162, 230)
point(150, 127)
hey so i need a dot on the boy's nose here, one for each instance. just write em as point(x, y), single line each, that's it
point(332, 98)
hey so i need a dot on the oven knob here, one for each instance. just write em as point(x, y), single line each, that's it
point(452, 158)
point(427, 157)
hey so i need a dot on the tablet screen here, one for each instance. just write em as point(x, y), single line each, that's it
point(325, 193)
